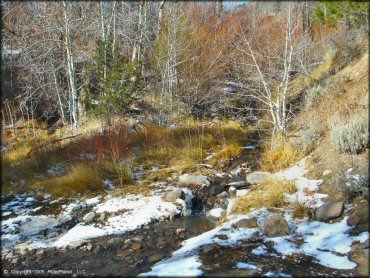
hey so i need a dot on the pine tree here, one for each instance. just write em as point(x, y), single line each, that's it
point(331, 12)
point(117, 82)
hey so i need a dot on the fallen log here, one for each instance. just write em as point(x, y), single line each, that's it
point(51, 143)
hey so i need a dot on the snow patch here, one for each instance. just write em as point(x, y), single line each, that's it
point(188, 266)
point(247, 266)
point(216, 212)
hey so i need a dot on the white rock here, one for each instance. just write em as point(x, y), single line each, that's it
point(193, 179)
point(216, 213)
point(89, 217)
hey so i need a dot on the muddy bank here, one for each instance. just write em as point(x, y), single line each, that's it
point(122, 255)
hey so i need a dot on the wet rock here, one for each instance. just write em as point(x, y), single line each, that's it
point(176, 194)
point(276, 226)
point(258, 177)
point(329, 211)
point(155, 258)
point(75, 244)
point(239, 184)
point(217, 189)
point(236, 178)
point(222, 195)
point(179, 231)
point(89, 247)
point(246, 223)
point(89, 217)
point(115, 241)
point(124, 254)
point(207, 248)
point(136, 246)
point(193, 179)
point(358, 217)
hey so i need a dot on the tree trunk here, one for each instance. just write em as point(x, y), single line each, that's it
point(138, 40)
point(58, 94)
point(71, 71)
point(160, 16)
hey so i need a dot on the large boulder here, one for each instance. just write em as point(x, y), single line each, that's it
point(258, 177)
point(193, 179)
point(359, 217)
point(246, 223)
point(176, 194)
point(276, 226)
point(329, 211)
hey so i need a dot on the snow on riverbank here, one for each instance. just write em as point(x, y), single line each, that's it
point(296, 174)
point(121, 214)
point(328, 244)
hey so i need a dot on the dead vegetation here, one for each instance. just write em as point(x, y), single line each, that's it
point(269, 195)
point(114, 155)
point(80, 179)
point(281, 154)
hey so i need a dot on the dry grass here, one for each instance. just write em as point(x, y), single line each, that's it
point(15, 155)
point(185, 146)
point(81, 178)
point(301, 210)
point(136, 189)
point(118, 172)
point(223, 157)
point(179, 149)
point(280, 156)
point(269, 195)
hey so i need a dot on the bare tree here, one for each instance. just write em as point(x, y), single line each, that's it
point(266, 64)
point(136, 51)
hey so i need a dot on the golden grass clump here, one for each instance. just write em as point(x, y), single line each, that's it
point(280, 156)
point(269, 194)
point(223, 157)
point(186, 145)
point(81, 178)
point(300, 210)
point(15, 155)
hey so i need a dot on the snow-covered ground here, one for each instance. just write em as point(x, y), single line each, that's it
point(122, 214)
point(328, 244)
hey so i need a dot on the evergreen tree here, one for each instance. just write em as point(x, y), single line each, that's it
point(331, 12)
point(116, 81)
